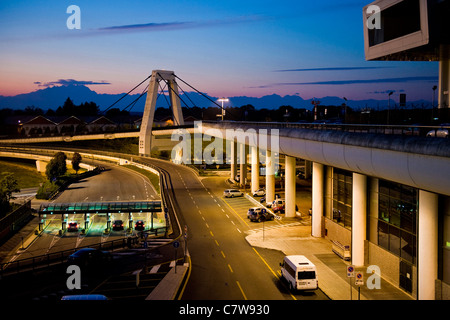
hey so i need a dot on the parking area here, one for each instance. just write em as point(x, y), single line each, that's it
point(241, 206)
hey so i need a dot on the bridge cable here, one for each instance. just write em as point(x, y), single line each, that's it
point(176, 95)
point(162, 93)
point(132, 104)
point(104, 111)
point(201, 93)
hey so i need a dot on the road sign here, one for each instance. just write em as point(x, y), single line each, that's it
point(351, 271)
point(359, 279)
point(176, 244)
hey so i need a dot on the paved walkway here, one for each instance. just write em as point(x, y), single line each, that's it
point(331, 269)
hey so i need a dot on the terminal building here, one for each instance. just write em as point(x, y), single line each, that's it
point(386, 197)
point(412, 30)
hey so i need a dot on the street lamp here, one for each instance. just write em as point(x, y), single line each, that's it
point(345, 110)
point(223, 110)
point(389, 105)
point(432, 107)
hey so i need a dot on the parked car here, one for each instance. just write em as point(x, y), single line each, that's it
point(269, 204)
point(440, 133)
point(259, 193)
point(231, 193)
point(117, 225)
point(89, 257)
point(139, 225)
point(278, 205)
point(259, 214)
point(84, 297)
point(72, 226)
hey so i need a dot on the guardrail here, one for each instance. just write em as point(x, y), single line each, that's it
point(405, 130)
point(167, 196)
point(51, 259)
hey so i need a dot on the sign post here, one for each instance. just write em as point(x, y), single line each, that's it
point(176, 244)
point(350, 275)
point(185, 241)
point(359, 281)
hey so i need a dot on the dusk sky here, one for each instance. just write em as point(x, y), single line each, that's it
point(223, 48)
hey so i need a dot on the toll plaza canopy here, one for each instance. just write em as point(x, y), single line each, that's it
point(100, 207)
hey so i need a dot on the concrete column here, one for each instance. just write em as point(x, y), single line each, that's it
point(41, 165)
point(233, 160)
point(359, 213)
point(255, 168)
point(243, 164)
point(427, 259)
point(307, 169)
point(317, 199)
point(270, 176)
point(444, 76)
point(290, 187)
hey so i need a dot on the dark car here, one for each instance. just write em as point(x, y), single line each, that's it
point(117, 225)
point(259, 214)
point(139, 225)
point(72, 226)
point(88, 257)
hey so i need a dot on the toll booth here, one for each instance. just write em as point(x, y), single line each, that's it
point(107, 209)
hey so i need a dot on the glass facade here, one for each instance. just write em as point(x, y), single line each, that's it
point(342, 197)
point(397, 212)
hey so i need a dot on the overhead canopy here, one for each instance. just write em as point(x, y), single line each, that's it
point(100, 207)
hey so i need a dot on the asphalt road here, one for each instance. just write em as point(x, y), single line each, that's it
point(114, 184)
point(224, 265)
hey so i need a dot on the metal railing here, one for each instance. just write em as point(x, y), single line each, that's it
point(404, 130)
point(51, 259)
point(47, 260)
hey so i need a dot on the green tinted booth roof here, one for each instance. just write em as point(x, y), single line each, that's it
point(100, 207)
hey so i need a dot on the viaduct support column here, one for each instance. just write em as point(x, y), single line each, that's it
point(290, 187)
point(307, 169)
point(359, 213)
point(427, 259)
point(317, 199)
point(270, 176)
point(243, 164)
point(255, 168)
point(444, 76)
point(233, 160)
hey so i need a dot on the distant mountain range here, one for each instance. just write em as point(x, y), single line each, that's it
point(53, 97)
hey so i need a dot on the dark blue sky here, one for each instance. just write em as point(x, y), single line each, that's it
point(224, 48)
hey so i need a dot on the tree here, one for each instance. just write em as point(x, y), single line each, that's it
point(4, 204)
point(8, 185)
point(56, 167)
point(76, 160)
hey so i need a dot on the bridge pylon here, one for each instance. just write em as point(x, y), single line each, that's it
point(145, 134)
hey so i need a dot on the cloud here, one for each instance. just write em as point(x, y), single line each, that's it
point(365, 81)
point(68, 82)
point(147, 26)
point(385, 91)
point(153, 26)
point(331, 69)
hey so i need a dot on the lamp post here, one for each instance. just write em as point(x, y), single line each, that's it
point(345, 110)
point(389, 105)
point(432, 107)
point(223, 110)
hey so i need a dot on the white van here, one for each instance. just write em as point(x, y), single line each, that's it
point(300, 273)
point(231, 193)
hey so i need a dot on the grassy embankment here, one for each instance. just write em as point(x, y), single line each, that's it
point(24, 171)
